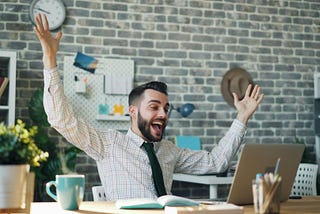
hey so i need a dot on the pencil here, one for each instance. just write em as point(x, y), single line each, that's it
point(276, 170)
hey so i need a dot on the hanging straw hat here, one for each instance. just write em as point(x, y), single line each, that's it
point(235, 80)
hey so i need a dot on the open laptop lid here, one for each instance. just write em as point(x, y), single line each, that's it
point(261, 158)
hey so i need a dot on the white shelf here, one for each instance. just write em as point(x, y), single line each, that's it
point(4, 107)
point(8, 61)
point(113, 118)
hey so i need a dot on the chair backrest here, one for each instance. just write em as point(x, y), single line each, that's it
point(188, 142)
point(305, 183)
point(98, 193)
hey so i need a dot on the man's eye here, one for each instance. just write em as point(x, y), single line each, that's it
point(154, 107)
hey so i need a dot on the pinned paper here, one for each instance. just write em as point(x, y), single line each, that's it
point(117, 84)
point(104, 109)
point(85, 62)
point(118, 109)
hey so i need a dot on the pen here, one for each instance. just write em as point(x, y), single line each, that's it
point(295, 197)
point(276, 170)
point(258, 176)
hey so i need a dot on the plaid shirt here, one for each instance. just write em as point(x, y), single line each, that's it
point(122, 163)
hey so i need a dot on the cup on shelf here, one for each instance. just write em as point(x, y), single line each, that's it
point(81, 87)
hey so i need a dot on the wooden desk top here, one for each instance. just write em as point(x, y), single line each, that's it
point(307, 205)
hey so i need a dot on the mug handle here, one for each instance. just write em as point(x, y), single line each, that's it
point(48, 186)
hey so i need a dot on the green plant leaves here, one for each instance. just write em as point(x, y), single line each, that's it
point(36, 109)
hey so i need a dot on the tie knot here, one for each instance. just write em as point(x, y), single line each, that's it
point(148, 145)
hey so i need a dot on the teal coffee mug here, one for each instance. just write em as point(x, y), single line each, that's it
point(69, 190)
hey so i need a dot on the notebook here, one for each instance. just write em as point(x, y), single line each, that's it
point(261, 158)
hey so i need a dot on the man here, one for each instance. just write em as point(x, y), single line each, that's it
point(122, 159)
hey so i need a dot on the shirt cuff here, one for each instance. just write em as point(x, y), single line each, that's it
point(51, 77)
point(239, 127)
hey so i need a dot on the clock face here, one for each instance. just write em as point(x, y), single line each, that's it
point(53, 9)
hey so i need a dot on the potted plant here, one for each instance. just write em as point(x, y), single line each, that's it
point(18, 151)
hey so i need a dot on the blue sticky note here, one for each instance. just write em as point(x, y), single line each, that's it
point(188, 142)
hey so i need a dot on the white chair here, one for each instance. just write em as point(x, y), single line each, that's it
point(98, 193)
point(305, 183)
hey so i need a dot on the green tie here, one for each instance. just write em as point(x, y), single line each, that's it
point(156, 169)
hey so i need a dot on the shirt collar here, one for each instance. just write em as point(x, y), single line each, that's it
point(135, 138)
point(139, 140)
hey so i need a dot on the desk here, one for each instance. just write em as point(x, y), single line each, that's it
point(307, 205)
point(211, 180)
point(88, 207)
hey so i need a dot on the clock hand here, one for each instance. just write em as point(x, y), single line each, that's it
point(42, 10)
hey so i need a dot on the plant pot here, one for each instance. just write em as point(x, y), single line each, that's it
point(13, 179)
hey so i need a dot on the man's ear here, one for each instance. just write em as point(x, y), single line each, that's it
point(132, 111)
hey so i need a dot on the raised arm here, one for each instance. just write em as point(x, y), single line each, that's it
point(60, 113)
point(249, 104)
point(49, 43)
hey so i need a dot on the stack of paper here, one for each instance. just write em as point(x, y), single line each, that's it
point(223, 208)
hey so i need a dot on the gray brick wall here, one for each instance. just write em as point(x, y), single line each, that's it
point(189, 44)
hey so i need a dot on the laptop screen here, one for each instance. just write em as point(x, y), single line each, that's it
point(262, 158)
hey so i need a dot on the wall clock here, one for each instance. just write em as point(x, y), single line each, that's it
point(54, 10)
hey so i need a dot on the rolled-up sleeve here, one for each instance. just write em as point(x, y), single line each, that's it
point(62, 118)
point(218, 159)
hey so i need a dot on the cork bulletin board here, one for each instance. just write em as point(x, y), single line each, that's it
point(101, 97)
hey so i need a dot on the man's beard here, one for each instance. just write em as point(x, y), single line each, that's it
point(145, 129)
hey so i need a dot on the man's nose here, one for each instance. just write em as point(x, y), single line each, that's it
point(163, 113)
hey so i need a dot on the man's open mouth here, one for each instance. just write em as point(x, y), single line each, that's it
point(157, 126)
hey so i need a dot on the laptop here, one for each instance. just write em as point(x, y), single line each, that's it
point(262, 158)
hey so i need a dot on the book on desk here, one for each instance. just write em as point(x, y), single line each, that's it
point(178, 205)
point(159, 203)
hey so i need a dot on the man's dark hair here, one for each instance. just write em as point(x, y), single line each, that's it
point(139, 90)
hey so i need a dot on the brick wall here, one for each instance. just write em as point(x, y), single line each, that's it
point(190, 45)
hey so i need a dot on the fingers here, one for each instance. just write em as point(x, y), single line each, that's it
point(46, 23)
point(260, 98)
point(39, 28)
point(256, 94)
point(247, 94)
point(42, 24)
point(235, 98)
point(59, 35)
point(39, 24)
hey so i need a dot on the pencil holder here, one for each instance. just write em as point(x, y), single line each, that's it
point(266, 196)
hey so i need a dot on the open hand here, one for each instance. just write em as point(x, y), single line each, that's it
point(249, 104)
point(49, 44)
